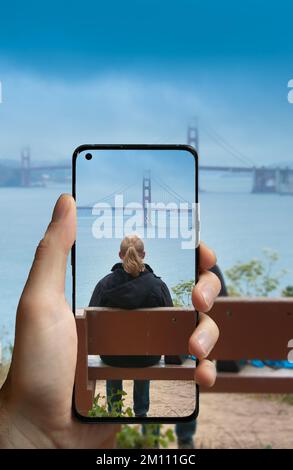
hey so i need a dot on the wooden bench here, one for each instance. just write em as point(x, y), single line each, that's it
point(250, 328)
point(253, 328)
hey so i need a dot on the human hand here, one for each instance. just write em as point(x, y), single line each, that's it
point(206, 334)
point(35, 401)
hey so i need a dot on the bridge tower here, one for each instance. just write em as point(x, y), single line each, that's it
point(146, 197)
point(192, 136)
point(25, 167)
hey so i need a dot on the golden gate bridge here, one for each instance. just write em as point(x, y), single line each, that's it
point(264, 179)
point(168, 200)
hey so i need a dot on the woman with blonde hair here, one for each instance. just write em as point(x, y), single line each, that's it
point(131, 284)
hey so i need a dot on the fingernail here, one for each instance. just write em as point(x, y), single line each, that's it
point(61, 208)
point(208, 294)
point(205, 342)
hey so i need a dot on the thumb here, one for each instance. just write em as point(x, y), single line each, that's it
point(47, 275)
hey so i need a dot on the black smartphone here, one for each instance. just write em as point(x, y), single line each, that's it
point(134, 263)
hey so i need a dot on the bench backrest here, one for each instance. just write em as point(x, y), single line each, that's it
point(154, 331)
point(253, 328)
point(250, 328)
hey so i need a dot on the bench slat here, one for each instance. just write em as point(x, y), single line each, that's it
point(161, 371)
point(248, 380)
point(155, 331)
point(253, 328)
point(253, 380)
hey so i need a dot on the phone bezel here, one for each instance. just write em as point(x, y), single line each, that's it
point(89, 147)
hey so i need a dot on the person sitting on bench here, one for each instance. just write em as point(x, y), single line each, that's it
point(131, 284)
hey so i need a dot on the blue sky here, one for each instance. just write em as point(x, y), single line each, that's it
point(139, 71)
point(139, 29)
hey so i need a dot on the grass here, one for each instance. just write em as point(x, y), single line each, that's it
point(281, 398)
point(288, 398)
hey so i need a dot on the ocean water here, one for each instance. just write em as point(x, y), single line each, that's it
point(234, 222)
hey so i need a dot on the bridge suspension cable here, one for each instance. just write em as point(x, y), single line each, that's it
point(122, 189)
point(169, 190)
point(225, 145)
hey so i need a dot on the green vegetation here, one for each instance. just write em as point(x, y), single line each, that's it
point(288, 291)
point(116, 400)
point(130, 436)
point(286, 398)
point(258, 278)
point(182, 293)
point(255, 277)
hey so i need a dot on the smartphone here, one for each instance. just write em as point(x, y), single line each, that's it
point(134, 263)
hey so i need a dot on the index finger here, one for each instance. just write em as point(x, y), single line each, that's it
point(207, 257)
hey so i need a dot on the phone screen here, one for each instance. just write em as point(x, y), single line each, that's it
point(134, 264)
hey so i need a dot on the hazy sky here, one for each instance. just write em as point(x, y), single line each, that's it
point(140, 70)
point(109, 171)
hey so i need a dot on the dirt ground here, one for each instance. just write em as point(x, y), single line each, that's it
point(168, 398)
point(228, 421)
point(233, 421)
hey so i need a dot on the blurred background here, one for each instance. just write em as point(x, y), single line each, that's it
point(211, 74)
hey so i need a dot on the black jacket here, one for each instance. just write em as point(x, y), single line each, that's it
point(216, 270)
point(120, 289)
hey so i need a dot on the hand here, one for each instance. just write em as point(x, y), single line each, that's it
point(205, 336)
point(37, 395)
point(35, 401)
